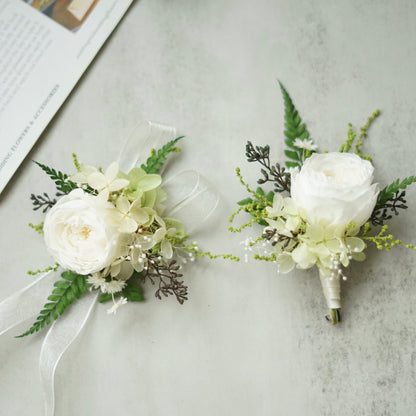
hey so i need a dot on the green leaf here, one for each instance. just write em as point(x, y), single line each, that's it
point(64, 293)
point(389, 191)
point(290, 135)
point(294, 128)
point(245, 201)
point(260, 191)
point(270, 196)
point(61, 180)
point(292, 155)
point(104, 297)
point(292, 165)
point(133, 292)
point(289, 143)
point(155, 161)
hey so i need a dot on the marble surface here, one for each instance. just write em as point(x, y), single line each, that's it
point(248, 341)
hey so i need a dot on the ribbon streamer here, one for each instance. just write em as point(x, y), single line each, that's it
point(57, 341)
point(191, 199)
point(25, 303)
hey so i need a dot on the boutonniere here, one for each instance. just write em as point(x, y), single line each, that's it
point(324, 208)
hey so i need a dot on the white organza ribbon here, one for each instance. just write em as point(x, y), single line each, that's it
point(146, 135)
point(191, 200)
point(26, 303)
point(59, 337)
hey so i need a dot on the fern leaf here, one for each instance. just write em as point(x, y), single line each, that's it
point(295, 129)
point(61, 180)
point(64, 293)
point(389, 191)
point(155, 161)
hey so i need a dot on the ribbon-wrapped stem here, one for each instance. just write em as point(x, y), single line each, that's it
point(331, 286)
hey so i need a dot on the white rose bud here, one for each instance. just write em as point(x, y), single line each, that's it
point(335, 189)
point(77, 234)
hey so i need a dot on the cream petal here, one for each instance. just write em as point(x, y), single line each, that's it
point(159, 234)
point(160, 221)
point(149, 182)
point(355, 244)
point(315, 232)
point(102, 197)
point(286, 263)
point(123, 204)
point(115, 269)
point(359, 256)
point(166, 249)
point(118, 184)
point(138, 266)
point(334, 245)
point(126, 270)
point(111, 172)
point(97, 181)
point(128, 225)
point(139, 215)
point(304, 257)
point(79, 177)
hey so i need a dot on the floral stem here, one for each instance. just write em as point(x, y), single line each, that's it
point(334, 316)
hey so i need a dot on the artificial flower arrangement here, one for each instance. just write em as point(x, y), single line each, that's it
point(109, 231)
point(332, 204)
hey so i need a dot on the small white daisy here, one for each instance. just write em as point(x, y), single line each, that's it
point(306, 144)
point(96, 280)
point(113, 286)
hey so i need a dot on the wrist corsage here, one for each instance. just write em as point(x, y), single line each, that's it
point(111, 231)
point(323, 207)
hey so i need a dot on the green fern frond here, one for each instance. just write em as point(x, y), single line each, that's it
point(295, 129)
point(389, 191)
point(73, 286)
point(61, 180)
point(155, 161)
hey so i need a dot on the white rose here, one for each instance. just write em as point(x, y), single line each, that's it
point(77, 234)
point(335, 189)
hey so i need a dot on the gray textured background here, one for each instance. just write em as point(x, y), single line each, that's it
point(248, 342)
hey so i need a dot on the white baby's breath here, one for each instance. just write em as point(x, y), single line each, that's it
point(116, 305)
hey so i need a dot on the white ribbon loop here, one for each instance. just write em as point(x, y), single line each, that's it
point(147, 135)
point(191, 199)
